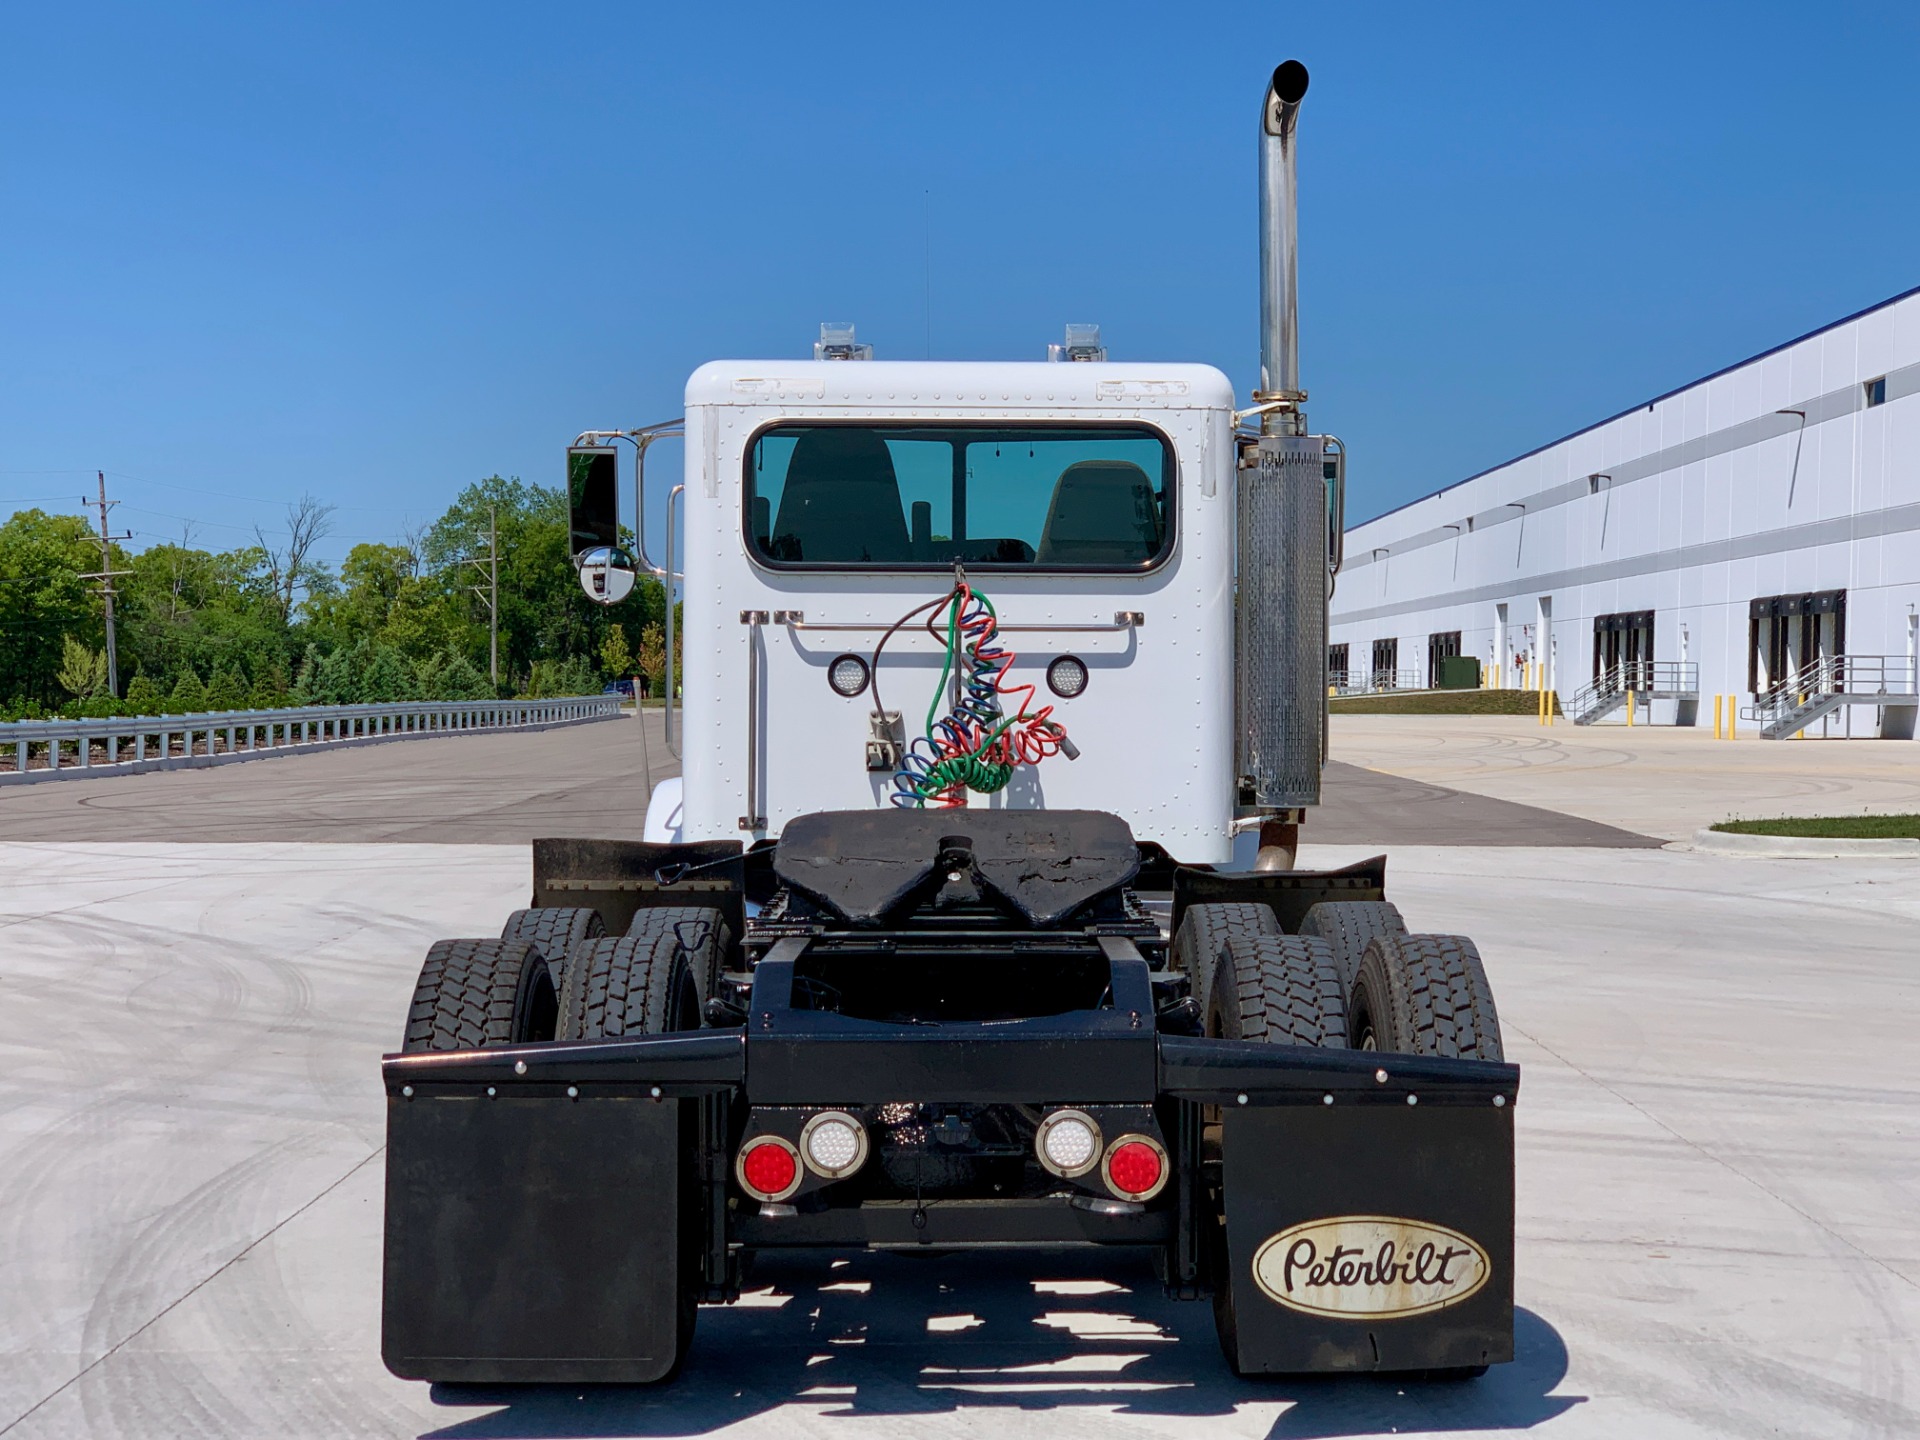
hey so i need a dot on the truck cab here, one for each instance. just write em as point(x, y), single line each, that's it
point(1091, 503)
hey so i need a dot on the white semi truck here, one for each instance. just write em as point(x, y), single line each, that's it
point(973, 920)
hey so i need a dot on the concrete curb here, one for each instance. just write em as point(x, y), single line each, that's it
point(1801, 847)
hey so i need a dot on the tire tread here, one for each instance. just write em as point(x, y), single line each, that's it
point(1280, 990)
point(473, 994)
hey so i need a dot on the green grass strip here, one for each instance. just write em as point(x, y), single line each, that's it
point(1830, 827)
point(1442, 702)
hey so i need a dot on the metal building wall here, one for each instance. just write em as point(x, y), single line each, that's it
point(1690, 506)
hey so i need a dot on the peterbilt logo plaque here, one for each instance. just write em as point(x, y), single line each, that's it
point(1373, 1267)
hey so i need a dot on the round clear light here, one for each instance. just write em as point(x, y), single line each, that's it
point(833, 1146)
point(1069, 1143)
point(1067, 676)
point(847, 675)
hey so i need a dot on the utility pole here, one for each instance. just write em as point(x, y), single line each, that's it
point(105, 576)
point(490, 592)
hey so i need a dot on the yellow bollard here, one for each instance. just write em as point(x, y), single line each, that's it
point(1629, 709)
point(1716, 715)
point(1733, 713)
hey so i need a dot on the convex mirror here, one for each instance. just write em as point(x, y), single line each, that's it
point(607, 573)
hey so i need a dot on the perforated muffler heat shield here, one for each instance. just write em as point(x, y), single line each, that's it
point(1281, 619)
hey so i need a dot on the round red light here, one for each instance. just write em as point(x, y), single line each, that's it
point(1134, 1167)
point(768, 1168)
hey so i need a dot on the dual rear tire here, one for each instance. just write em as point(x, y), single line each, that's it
point(556, 974)
point(1352, 977)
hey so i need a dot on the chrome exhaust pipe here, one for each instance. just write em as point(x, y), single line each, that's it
point(1281, 599)
point(1279, 254)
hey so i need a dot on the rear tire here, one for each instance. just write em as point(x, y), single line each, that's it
point(1204, 932)
point(700, 930)
point(476, 994)
point(632, 985)
point(1347, 925)
point(1424, 995)
point(1283, 990)
point(1278, 989)
point(554, 930)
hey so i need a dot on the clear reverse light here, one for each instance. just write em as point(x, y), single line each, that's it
point(1068, 1142)
point(1067, 676)
point(834, 1143)
point(847, 675)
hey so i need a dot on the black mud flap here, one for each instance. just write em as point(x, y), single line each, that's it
point(538, 1235)
point(1368, 1222)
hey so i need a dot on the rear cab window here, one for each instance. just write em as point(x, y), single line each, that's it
point(829, 495)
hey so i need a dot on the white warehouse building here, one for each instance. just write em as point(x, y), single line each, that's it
point(1753, 534)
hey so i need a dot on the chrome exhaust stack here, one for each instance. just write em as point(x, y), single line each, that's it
point(1279, 255)
point(1286, 543)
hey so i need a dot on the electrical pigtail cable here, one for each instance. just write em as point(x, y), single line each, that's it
point(976, 745)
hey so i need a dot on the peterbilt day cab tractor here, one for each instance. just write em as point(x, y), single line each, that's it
point(973, 921)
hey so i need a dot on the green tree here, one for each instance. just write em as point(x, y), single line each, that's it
point(614, 654)
point(43, 601)
point(143, 696)
point(83, 671)
point(189, 696)
point(387, 677)
point(555, 679)
point(543, 614)
point(227, 690)
point(450, 675)
point(336, 679)
point(269, 686)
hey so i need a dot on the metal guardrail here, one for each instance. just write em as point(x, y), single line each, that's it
point(33, 750)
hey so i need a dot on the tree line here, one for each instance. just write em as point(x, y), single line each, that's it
point(268, 625)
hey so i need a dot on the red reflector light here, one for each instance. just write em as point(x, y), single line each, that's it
point(769, 1169)
point(1135, 1167)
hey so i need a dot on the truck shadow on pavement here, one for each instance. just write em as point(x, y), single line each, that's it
point(876, 1335)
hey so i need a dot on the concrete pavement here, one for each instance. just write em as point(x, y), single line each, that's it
point(1655, 780)
point(1717, 1182)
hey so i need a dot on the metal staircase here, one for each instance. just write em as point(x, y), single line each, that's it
point(1645, 679)
point(1826, 684)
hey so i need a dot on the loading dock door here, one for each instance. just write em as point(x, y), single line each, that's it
point(1623, 644)
point(1788, 633)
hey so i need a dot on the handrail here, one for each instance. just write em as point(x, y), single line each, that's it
point(1891, 675)
point(1377, 682)
point(1661, 676)
point(1122, 620)
point(266, 732)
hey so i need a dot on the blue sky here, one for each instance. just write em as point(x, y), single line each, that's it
point(376, 251)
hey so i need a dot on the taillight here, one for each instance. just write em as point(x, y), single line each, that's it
point(1135, 1167)
point(768, 1168)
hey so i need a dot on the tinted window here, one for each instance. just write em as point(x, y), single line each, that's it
point(898, 496)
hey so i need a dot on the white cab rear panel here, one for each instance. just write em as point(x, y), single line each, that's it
point(1154, 726)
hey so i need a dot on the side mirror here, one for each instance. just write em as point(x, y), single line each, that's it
point(593, 504)
point(607, 574)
